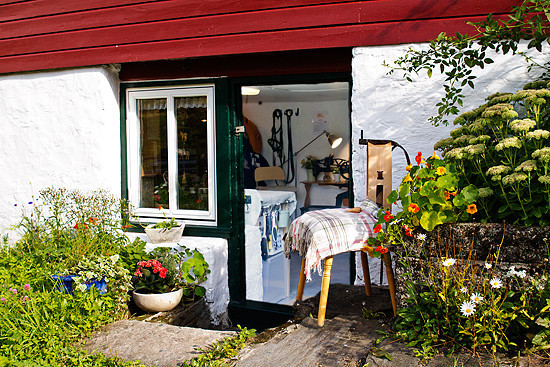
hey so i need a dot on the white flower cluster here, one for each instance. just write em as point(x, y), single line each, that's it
point(512, 272)
point(498, 170)
point(455, 153)
point(513, 178)
point(544, 180)
point(480, 139)
point(519, 126)
point(511, 142)
point(463, 140)
point(527, 166)
point(478, 125)
point(473, 150)
point(443, 143)
point(538, 134)
point(542, 154)
point(485, 192)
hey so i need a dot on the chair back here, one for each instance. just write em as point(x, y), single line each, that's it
point(269, 173)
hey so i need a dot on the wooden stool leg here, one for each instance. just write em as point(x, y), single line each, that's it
point(391, 281)
point(324, 292)
point(366, 272)
point(301, 281)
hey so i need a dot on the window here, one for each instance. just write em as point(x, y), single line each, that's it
point(171, 153)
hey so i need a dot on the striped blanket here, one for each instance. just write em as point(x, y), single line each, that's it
point(323, 233)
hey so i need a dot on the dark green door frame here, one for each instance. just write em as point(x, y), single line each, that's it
point(239, 305)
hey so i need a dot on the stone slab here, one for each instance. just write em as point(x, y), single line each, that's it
point(154, 344)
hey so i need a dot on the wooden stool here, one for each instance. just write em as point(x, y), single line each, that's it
point(326, 282)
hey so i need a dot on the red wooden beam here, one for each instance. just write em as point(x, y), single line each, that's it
point(340, 36)
point(370, 11)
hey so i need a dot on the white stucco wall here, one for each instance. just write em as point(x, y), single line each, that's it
point(59, 128)
point(389, 107)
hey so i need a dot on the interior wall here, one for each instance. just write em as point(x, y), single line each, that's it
point(302, 133)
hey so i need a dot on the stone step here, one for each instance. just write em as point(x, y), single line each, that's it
point(154, 344)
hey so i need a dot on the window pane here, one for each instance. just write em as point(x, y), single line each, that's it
point(153, 153)
point(191, 119)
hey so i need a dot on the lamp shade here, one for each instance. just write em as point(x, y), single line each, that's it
point(334, 140)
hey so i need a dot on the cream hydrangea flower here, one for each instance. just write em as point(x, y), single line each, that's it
point(542, 154)
point(514, 178)
point(520, 126)
point(498, 170)
point(527, 166)
point(485, 192)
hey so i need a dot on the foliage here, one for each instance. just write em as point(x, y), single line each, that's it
point(430, 194)
point(222, 350)
point(38, 324)
point(308, 162)
point(466, 304)
point(96, 267)
point(457, 57)
point(502, 147)
point(171, 269)
point(167, 224)
point(64, 225)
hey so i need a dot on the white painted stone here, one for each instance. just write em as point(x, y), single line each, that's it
point(59, 128)
point(214, 251)
point(389, 107)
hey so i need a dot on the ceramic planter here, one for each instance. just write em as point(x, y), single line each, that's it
point(159, 302)
point(161, 235)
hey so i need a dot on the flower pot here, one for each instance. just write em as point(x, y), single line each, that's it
point(65, 284)
point(336, 177)
point(159, 302)
point(160, 235)
point(309, 172)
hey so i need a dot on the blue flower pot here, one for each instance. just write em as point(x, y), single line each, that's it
point(65, 284)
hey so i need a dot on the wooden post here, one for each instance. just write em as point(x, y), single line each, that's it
point(324, 292)
point(301, 281)
point(366, 272)
point(391, 281)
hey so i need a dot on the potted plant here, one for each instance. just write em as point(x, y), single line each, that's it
point(165, 231)
point(161, 282)
point(308, 163)
point(95, 272)
point(336, 175)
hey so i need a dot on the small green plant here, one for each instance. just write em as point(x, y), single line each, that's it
point(221, 352)
point(167, 224)
point(308, 162)
point(430, 195)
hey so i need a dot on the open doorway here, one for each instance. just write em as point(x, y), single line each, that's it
point(298, 135)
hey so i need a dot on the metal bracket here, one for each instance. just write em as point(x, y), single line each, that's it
point(239, 130)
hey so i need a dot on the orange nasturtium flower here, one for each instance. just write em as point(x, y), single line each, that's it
point(408, 168)
point(472, 209)
point(434, 156)
point(413, 208)
point(440, 171)
point(387, 216)
point(407, 178)
point(419, 158)
point(377, 228)
point(408, 231)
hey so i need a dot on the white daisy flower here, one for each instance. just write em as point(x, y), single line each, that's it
point(449, 262)
point(496, 283)
point(476, 297)
point(421, 236)
point(488, 266)
point(467, 308)
point(463, 289)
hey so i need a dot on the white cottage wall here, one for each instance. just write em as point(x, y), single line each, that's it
point(389, 107)
point(59, 128)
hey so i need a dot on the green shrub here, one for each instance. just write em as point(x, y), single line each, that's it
point(502, 147)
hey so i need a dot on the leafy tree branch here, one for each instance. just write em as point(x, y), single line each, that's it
point(459, 57)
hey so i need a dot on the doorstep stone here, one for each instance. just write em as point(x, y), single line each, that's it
point(153, 344)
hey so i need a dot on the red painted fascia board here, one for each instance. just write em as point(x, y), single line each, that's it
point(341, 36)
point(369, 12)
